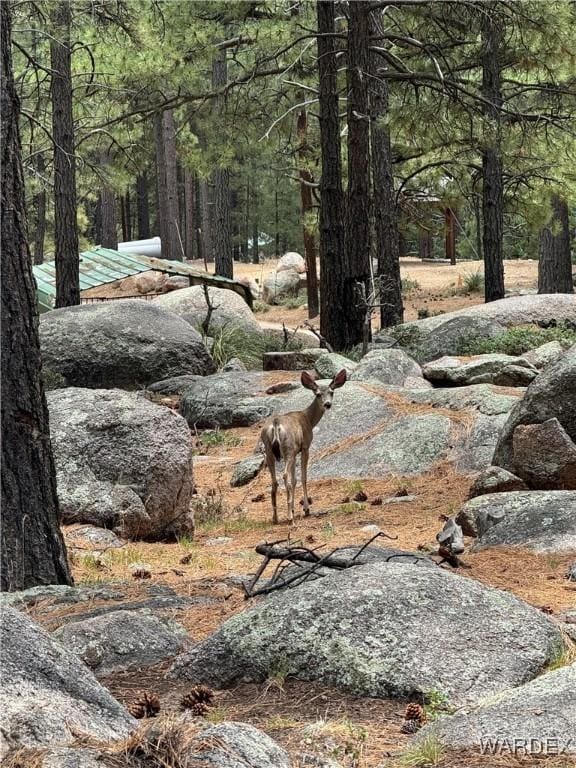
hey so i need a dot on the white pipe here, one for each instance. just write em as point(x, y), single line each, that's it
point(150, 247)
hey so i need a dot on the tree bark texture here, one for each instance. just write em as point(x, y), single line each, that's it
point(189, 214)
point(142, 207)
point(306, 179)
point(333, 261)
point(492, 165)
point(39, 215)
point(358, 195)
point(108, 218)
point(32, 546)
point(384, 200)
point(174, 244)
point(67, 255)
point(555, 262)
point(222, 233)
point(206, 221)
point(450, 235)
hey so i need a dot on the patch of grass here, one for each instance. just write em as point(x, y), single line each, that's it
point(427, 752)
point(278, 723)
point(424, 312)
point(474, 282)
point(243, 523)
point(217, 715)
point(564, 655)
point(293, 302)
point(124, 556)
point(436, 704)
point(52, 380)
point(351, 507)
point(354, 486)
point(407, 285)
point(328, 530)
point(409, 337)
point(249, 347)
point(260, 307)
point(214, 437)
point(516, 341)
point(91, 562)
point(187, 542)
point(210, 511)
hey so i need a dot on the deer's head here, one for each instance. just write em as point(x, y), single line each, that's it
point(324, 392)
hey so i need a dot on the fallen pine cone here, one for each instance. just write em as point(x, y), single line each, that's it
point(198, 700)
point(186, 559)
point(258, 497)
point(361, 496)
point(377, 502)
point(196, 708)
point(144, 705)
point(547, 609)
point(141, 571)
point(414, 718)
point(345, 500)
point(409, 726)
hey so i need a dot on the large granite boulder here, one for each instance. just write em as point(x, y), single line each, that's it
point(382, 629)
point(230, 309)
point(544, 455)
point(120, 640)
point(504, 370)
point(232, 399)
point(48, 696)
point(280, 285)
point(496, 480)
point(291, 260)
point(536, 718)
point(122, 463)
point(328, 364)
point(543, 521)
point(390, 366)
point(549, 396)
point(120, 344)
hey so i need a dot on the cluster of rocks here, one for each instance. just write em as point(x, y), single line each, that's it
point(286, 280)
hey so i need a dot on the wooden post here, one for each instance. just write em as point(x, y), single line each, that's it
point(424, 243)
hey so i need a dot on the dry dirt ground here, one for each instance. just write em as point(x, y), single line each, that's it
point(304, 717)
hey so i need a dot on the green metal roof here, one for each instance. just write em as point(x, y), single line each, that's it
point(99, 266)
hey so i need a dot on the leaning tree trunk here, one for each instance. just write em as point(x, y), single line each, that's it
point(306, 181)
point(222, 234)
point(384, 200)
point(32, 547)
point(39, 214)
point(333, 262)
point(67, 257)
point(358, 197)
point(142, 207)
point(555, 263)
point(492, 164)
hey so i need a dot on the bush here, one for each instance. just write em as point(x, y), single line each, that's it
point(248, 347)
point(52, 380)
point(407, 285)
point(516, 341)
point(474, 282)
point(260, 307)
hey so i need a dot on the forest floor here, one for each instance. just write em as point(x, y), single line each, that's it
point(305, 717)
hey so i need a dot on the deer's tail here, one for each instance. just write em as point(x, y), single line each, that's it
point(276, 439)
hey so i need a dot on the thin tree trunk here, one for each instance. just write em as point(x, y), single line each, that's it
point(189, 214)
point(358, 196)
point(424, 243)
point(161, 192)
point(206, 222)
point(222, 235)
point(174, 249)
point(384, 206)
point(492, 165)
point(67, 257)
point(198, 219)
point(246, 254)
point(333, 261)
point(555, 263)
point(39, 205)
point(109, 232)
point(32, 547)
point(255, 241)
point(450, 235)
point(142, 207)
point(276, 221)
point(306, 179)
point(128, 204)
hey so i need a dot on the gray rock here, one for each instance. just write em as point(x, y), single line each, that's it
point(122, 640)
point(59, 594)
point(549, 396)
point(328, 364)
point(571, 573)
point(279, 285)
point(234, 364)
point(230, 309)
point(48, 695)
point(299, 360)
point(226, 400)
point(496, 480)
point(481, 397)
point(544, 455)
point(98, 538)
point(546, 354)
point(120, 344)
point(291, 260)
point(407, 446)
point(175, 385)
point(474, 449)
point(518, 374)
point(122, 463)
point(543, 521)
point(382, 629)
point(246, 470)
point(388, 366)
point(536, 718)
point(72, 758)
point(504, 370)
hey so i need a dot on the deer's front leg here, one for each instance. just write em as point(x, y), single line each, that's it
point(304, 468)
point(271, 463)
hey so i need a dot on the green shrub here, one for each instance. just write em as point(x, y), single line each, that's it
point(293, 302)
point(407, 285)
point(474, 282)
point(248, 347)
point(516, 341)
point(52, 379)
point(261, 307)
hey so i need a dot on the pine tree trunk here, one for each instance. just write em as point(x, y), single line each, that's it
point(222, 235)
point(67, 255)
point(198, 219)
point(128, 208)
point(333, 262)
point(142, 207)
point(189, 214)
point(555, 263)
point(246, 249)
point(161, 192)
point(108, 218)
point(492, 165)
point(424, 244)
point(255, 241)
point(306, 179)
point(358, 195)
point(385, 210)
point(206, 221)
point(450, 235)
point(32, 547)
point(39, 205)
point(174, 245)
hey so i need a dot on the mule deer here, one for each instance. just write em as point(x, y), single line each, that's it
point(286, 436)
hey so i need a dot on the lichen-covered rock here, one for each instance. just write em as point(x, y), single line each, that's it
point(328, 364)
point(388, 366)
point(291, 260)
point(122, 463)
point(121, 640)
point(279, 285)
point(483, 398)
point(296, 360)
point(232, 399)
point(382, 629)
point(503, 370)
point(124, 344)
point(543, 521)
point(546, 354)
point(544, 456)
point(48, 695)
point(97, 538)
point(230, 309)
point(496, 480)
point(246, 470)
point(536, 718)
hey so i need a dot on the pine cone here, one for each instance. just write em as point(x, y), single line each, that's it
point(144, 705)
point(415, 712)
point(196, 708)
point(202, 694)
point(409, 726)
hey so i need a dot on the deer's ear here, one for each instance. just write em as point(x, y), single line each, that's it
point(308, 382)
point(339, 379)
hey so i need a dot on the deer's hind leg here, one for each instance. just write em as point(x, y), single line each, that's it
point(290, 483)
point(304, 471)
point(271, 463)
